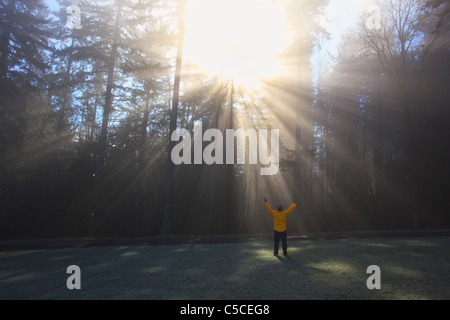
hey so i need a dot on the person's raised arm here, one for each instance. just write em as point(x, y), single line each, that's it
point(291, 208)
point(271, 211)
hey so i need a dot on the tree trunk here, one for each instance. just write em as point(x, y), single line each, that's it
point(103, 139)
point(168, 203)
point(6, 212)
point(60, 124)
point(230, 217)
point(4, 43)
point(413, 169)
point(62, 111)
point(298, 154)
point(138, 210)
point(364, 136)
point(378, 167)
point(322, 176)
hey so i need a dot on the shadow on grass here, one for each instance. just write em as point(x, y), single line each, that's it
point(326, 269)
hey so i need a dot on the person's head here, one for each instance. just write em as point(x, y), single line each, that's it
point(280, 208)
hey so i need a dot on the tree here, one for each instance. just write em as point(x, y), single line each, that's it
point(125, 56)
point(23, 62)
point(402, 52)
point(23, 40)
point(168, 204)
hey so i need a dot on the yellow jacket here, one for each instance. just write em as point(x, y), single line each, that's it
point(280, 217)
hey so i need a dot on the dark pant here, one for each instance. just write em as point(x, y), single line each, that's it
point(276, 237)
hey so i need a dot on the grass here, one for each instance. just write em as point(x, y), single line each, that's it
point(316, 269)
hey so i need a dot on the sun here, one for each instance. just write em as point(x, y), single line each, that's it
point(238, 39)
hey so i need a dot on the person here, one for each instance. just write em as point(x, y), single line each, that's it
point(280, 225)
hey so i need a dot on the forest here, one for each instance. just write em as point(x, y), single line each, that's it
point(92, 90)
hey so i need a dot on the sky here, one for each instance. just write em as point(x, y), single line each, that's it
point(341, 15)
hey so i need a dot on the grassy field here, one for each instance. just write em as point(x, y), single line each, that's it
point(316, 269)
